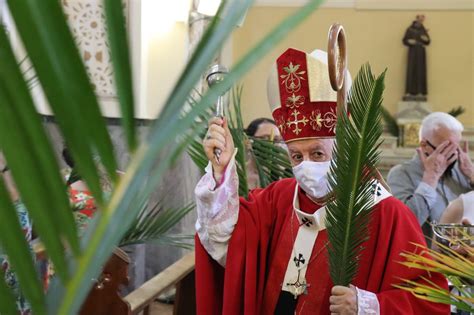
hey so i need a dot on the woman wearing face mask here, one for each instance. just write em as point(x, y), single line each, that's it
point(263, 129)
point(267, 254)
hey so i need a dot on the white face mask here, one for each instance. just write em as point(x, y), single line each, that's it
point(313, 177)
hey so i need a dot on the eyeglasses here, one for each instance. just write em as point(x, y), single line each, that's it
point(434, 148)
point(431, 145)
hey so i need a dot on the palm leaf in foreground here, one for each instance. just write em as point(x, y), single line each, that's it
point(457, 268)
point(352, 169)
point(7, 300)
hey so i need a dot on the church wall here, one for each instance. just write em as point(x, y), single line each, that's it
point(374, 36)
point(176, 190)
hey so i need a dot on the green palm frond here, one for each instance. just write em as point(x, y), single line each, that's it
point(272, 161)
point(390, 122)
point(7, 299)
point(458, 269)
point(352, 170)
point(456, 111)
point(21, 259)
point(430, 292)
point(122, 71)
point(184, 241)
point(152, 225)
point(241, 141)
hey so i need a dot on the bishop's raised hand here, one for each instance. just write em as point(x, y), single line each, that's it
point(218, 136)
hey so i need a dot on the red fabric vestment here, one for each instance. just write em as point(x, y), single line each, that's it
point(261, 245)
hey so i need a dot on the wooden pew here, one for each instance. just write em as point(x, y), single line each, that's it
point(179, 275)
point(104, 298)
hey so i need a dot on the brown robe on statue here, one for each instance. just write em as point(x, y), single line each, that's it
point(416, 38)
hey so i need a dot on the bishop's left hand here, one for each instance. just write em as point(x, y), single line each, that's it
point(465, 163)
point(343, 300)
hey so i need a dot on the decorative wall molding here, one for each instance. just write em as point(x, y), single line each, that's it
point(415, 4)
point(87, 22)
point(157, 59)
point(298, 3)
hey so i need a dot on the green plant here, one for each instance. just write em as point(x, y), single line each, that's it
point(271, 161)
point(60, 71)
point(152, 225)
point(352, 169)
point(390, 122)
point(458, 269)
point(456, 111)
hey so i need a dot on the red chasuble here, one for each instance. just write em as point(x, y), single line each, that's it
point(262, 243)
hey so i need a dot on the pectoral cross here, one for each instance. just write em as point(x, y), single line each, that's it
point(298, 287)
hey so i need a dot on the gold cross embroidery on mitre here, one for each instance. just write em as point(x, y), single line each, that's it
point(296, 122)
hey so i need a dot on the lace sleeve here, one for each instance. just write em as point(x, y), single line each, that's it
point(367, 303)
point(217, 211)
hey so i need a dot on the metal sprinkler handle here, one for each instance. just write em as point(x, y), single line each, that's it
point(215, 75)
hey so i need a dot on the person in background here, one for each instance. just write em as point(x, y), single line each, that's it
point(438, 173)
point(460, 210)
point(23, 305)
point(263, 129)
point(84, 207)
point(82, 200)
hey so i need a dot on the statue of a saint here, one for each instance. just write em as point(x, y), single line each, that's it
point(416, 38)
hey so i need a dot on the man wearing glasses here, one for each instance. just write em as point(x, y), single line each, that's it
point(439, 172)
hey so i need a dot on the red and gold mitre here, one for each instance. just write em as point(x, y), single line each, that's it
point(301, 99)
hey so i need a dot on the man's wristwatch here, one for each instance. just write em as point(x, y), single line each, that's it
point(5, 169)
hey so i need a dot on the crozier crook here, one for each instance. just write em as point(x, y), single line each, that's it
point(337, 64)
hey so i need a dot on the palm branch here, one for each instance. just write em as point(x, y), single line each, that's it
point(390, 122)
point(271, 161)
point(60, 72)
point(241, 142)
point(352, 170)
point(456, 111)
point(153, 225)
point(458, 269)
